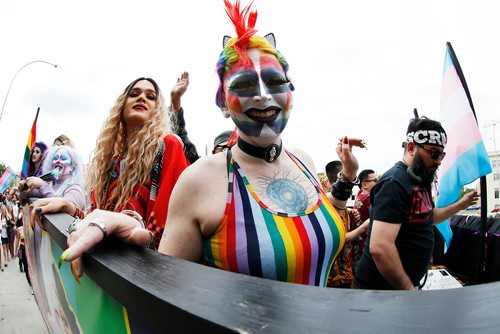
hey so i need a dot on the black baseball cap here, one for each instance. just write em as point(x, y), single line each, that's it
point(221, 139)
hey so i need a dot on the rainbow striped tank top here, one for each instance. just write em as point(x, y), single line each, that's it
point(255, 240)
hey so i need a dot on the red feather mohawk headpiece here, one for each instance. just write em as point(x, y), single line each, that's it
point(244, 24)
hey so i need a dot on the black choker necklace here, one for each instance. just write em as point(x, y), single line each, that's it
point(269, 153)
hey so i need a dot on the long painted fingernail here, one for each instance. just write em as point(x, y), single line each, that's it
point(38, 210)
point(64, 256)
point(346, 141)
point(74, 272)
point(61, 259)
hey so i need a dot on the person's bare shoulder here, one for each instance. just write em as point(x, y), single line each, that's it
point(202, 188)
point(305, 158)
point(206, 169)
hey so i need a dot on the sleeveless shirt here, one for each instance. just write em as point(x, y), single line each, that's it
point(255, 240)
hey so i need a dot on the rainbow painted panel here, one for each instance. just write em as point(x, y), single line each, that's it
point(65, 305)
point(255, 240)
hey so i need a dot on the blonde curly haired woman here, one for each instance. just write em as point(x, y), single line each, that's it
point(137, 159)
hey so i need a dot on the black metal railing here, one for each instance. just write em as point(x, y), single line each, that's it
point(177, 296)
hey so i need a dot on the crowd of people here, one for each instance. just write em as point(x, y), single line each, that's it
point(253, 206)
point(12, 233)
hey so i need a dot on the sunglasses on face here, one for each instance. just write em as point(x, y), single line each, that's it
point(434, 153)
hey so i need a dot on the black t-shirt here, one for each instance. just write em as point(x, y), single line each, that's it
point(396, 199)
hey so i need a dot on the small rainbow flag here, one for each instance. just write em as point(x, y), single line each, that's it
point(5, 180)
point(29, 145)
point(467, 159)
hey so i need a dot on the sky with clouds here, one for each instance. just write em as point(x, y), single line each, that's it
point(358, 67)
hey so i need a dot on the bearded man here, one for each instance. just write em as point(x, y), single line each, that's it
point(400, 235)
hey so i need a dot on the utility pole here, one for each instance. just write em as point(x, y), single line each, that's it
point(492, 124)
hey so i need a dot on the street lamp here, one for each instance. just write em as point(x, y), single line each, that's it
point(14, 78)
point(493, 125)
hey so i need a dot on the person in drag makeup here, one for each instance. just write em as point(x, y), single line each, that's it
point(257, 209)
point(63, 173)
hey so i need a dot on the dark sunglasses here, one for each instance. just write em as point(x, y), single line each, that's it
point(435, 154)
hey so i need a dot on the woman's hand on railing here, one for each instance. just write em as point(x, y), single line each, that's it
point(52, 205)
point(48, 205)
point(86, 233)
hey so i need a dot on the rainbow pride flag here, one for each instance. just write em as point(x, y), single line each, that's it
point(5, 180)
point(466, 158)
point(29, 145)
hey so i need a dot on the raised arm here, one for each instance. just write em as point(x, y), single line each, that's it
point(176, 93)
point(342, 189)
point(178, 90)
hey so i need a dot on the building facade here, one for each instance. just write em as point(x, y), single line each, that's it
point(493, 182)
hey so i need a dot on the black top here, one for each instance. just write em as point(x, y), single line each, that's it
point(180, 129)
point(396, 199)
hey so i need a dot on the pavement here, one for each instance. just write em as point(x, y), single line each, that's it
point(18, 309)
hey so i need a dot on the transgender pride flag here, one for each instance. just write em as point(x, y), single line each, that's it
point(6, 179)
point(466, 159)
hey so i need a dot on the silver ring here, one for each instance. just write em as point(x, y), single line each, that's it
point(98, 223)
point(72, 227)
point(151, 244)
